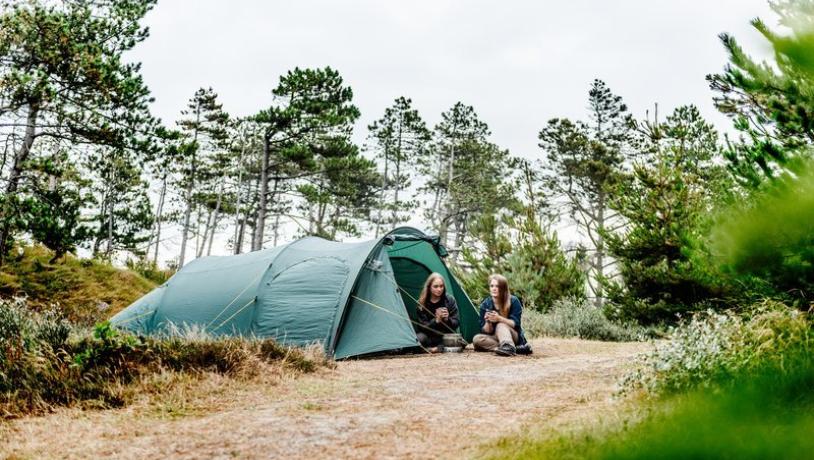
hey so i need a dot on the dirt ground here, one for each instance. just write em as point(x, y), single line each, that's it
point(438, 406)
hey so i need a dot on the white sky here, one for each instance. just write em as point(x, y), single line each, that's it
point(519, 63)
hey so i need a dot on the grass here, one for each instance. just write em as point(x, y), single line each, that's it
point(46, 363)
point(722, 387)
point(85, 291)
point(755, 421)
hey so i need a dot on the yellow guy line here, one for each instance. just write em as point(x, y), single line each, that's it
point(234, 314)
point(236, 297)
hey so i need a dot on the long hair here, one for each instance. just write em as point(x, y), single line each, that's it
point(425, 291)
point(503, 303)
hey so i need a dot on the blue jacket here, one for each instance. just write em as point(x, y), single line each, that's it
point(515, 312)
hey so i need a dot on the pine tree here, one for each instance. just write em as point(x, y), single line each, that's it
point(311, 121)
point(771, 104)
point(62, 76)
point(204, 127)
point(662, 252)
point(456, 139)
point(400, 137)
point(582, 161)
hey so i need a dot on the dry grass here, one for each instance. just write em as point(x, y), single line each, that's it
point(403, 407)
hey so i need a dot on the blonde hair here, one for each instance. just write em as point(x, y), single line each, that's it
point(425, 291)
point(503, 303)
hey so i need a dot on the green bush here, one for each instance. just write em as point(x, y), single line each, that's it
point(712, 348)
point(149, 270)
point(580, 318)
point(538, 270)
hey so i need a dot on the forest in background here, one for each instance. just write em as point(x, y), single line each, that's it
point(674, 217)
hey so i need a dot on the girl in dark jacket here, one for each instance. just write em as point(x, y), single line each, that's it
point(500, 320)
point(437, 313)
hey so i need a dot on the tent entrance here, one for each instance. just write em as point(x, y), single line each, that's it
point(410, 276)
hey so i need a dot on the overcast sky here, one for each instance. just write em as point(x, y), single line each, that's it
point(519, 63)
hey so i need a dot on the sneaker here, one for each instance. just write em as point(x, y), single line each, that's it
point(524, 349)
point(505, 349)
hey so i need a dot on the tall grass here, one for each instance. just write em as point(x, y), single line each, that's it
point(46, 362)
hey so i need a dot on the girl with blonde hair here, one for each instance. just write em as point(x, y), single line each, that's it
point(437, 313)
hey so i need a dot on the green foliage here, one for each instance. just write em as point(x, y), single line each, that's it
point(63, 78)
point(533, 260)
point(772, 104)
point(713, 349)
point(45, 362)
point(757, 419)
point(570, 317)
point(771, 238)
point(736, 388)
point(662, 252)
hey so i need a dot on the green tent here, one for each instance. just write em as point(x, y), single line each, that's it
point(353, 298)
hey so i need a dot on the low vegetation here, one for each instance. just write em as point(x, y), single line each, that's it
point(46, 362)
point(723, 386)
point(570, 317)
point(85, 291)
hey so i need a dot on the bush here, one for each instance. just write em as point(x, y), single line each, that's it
point(149, 270)
point(45, 362)
point(712, 348)
point(579, 318)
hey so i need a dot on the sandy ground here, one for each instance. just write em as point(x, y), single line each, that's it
point(439, 406)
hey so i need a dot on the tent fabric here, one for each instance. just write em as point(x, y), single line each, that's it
point(353, 298)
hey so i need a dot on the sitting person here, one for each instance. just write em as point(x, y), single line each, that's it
point(500, 320)
point(437, 313)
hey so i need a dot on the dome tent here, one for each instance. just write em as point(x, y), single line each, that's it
point(354, 298)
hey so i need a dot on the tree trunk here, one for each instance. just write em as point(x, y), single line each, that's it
point(16, 173)
point(215, 218)
point(255, 199)
point(381, 195)
point(239, 226)
point(190, 188)
point(111, 208)
point(199, 245)
point(260, 224)
point(276, 228)
point(397, 182)
point(159, 211)
point(600, 251)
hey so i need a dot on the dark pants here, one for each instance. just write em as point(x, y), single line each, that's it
point(429, 340)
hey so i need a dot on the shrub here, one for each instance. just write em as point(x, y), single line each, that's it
point(712, 348)
point(579, 318)
point(149, 270)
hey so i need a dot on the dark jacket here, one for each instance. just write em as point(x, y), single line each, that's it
point(515, 312)
point(426, 316)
